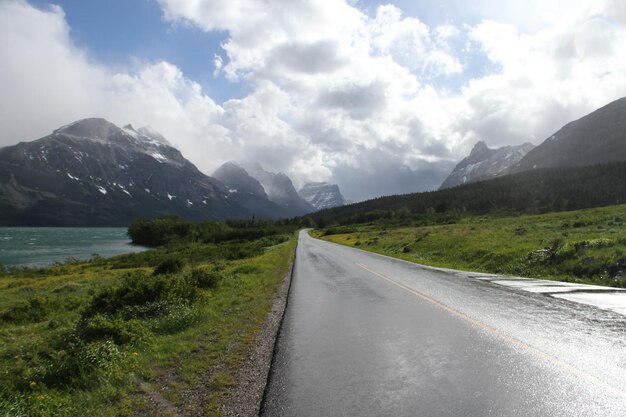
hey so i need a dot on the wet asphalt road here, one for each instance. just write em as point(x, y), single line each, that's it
point(366, 335)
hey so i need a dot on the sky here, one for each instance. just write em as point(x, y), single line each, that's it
point(378, 97)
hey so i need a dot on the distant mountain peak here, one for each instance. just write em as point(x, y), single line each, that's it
point(479, 147)
point(149, 132)
point(278, 187)
point(238, 180)
point(94, 127)
point(484, 163)
point(322, 195)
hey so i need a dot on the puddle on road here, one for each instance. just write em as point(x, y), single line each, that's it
point(608, 301)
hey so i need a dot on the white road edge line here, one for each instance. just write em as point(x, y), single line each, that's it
point(494, 277)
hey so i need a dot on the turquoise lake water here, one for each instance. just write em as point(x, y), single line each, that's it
point(42, 246)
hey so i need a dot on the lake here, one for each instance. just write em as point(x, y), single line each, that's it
point(42, 246)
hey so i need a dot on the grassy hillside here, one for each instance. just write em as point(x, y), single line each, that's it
point(580, 246)
point(114, 337)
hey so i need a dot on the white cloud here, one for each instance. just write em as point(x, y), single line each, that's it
point(45, 80)
point(361, 86)
point(218, 63)
point(336, 94)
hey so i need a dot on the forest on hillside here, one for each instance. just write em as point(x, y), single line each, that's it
point(531, 192)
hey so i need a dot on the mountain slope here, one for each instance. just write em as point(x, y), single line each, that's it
point(596, 138)
point(279, 189)
point(94, 173)
point(484, 163)
point(248, 191)
point(322, 195)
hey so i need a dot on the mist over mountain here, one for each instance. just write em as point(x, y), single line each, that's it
point(249, 192)
point(484, 163)
point(322, 195)
point(279, 189)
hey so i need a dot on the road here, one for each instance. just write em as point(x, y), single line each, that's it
point(367, 335)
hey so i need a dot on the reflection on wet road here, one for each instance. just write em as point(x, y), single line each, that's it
point(366, 335)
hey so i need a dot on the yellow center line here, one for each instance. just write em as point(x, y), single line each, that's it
point(498, 333)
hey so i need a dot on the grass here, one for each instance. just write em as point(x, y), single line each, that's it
point(107, 337)
point(586, 246)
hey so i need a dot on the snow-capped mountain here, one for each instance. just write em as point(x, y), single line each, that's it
point(322, 195)
point(94, 173)
point(485, 163)
point(279, 189)
point(596, 138)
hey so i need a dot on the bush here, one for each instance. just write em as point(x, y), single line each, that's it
point(159, 231)
point(121, 332)
point(178, 318)
point(169, 266)
point(141, 293)
point(205, 277)
point(84, 364)
point(32, 310)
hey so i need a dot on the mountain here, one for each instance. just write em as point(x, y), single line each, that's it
point(322, 195)
point(279, 189)
point(596, 138)
point(93, 173)
point(485, 163)
point(248, 191)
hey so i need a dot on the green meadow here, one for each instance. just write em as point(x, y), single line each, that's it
point(586, 246)
point(114, 337)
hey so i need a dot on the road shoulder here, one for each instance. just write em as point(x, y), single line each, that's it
point(252, 376)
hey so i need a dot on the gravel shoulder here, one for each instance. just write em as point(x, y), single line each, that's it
point(252, 377)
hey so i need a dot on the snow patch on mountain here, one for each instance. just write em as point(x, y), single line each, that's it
point(484, 163)
point(322, 195)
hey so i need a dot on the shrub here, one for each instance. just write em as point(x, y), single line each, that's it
point(178, 318)
point(205, 277)
point(169, 266)
point(83, 364)
point(121, 332)
point(141, 292)
point(32, 310)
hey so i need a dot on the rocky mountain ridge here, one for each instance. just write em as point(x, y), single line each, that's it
point(484, 163)
point(596, 138)
point(322, 195)
point(249, 191)
point(279, 189)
